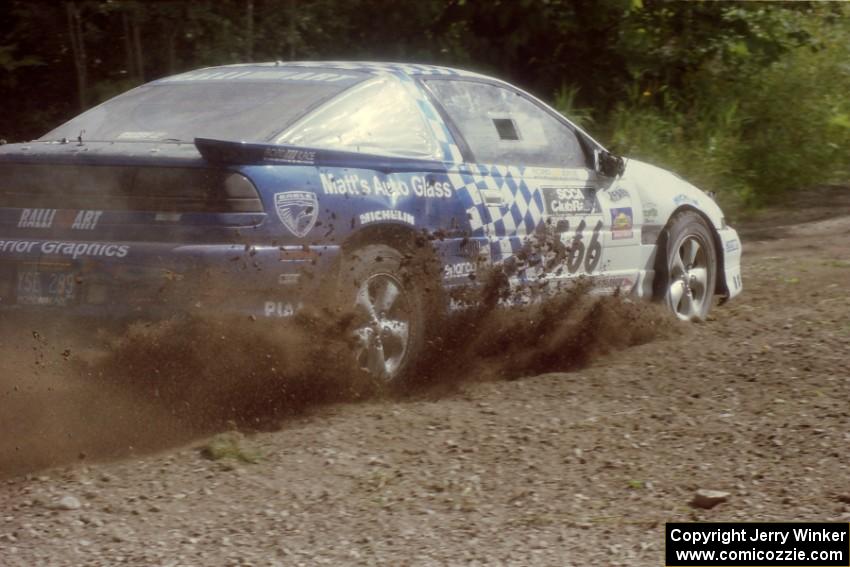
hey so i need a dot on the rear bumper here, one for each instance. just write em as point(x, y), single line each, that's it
point(153, 279)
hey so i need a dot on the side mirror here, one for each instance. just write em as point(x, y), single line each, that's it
point(608, 164)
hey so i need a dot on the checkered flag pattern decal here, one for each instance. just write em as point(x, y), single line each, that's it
point(521, 209)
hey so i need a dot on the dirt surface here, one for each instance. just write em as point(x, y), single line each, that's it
point(563, 468)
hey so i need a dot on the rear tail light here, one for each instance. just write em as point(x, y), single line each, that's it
point(127, 188)
point(241, 195)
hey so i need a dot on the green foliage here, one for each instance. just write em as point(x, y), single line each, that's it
point(703, 145)
point(748, 99)
point(9, 61)
point(796, 131)
point(565, 103)
point(763, 111)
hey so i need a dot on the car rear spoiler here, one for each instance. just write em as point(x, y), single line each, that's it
point(228, 152)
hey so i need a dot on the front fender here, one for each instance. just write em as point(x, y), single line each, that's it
point(662, 194)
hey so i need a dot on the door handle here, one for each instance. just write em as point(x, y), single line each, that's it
point(492, 197)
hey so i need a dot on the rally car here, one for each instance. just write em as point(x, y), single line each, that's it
point(243, 188)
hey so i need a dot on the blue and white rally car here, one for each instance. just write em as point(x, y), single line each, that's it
point(245, 188)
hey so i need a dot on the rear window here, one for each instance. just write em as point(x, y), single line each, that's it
point(204, 106)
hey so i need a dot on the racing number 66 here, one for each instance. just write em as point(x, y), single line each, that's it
point(590, 255)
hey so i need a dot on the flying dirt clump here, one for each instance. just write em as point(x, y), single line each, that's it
point(215, 369)
point(551, 333)
point(524, 318)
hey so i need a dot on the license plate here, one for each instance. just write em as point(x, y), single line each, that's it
point(46, 286)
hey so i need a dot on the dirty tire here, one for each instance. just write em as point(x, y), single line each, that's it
point(388, 324)
point(687, 268)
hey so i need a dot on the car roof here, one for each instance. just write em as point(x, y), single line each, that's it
point(387, 67)
point(367, 67)
point(343, 72)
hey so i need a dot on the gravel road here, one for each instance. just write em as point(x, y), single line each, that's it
point(562, 468)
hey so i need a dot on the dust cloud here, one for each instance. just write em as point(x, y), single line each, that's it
point(52, 411)
point(556, 333)
point(70, 392)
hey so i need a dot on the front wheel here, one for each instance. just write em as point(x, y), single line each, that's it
point(388, 315)
point(688, 271)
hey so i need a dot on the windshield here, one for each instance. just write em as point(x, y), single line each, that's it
point(184, 110)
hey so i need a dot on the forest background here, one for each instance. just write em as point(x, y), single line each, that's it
point(747, 99)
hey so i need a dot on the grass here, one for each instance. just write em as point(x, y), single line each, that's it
point(229, 445)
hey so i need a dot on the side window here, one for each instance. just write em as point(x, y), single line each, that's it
point(501, 126)
point(376, 117)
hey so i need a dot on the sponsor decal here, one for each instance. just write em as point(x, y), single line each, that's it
point(297, 210)
point(86, 220)
point(732, 245)
point(280, 309)
point(72, 249)
point(568, 201)
point(288, 279)
point(621, 223)
point(612, 283)
point(415, 185)
point(682, 199)
point(17, 246)
point(46, 218)
point(290, 155)
point(459, 270)
point(37, 218)
point(617, 194)
point(387, 215)
point(650, 212)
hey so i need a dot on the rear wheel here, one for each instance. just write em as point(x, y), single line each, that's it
point(388, 322)
point(688, 270)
